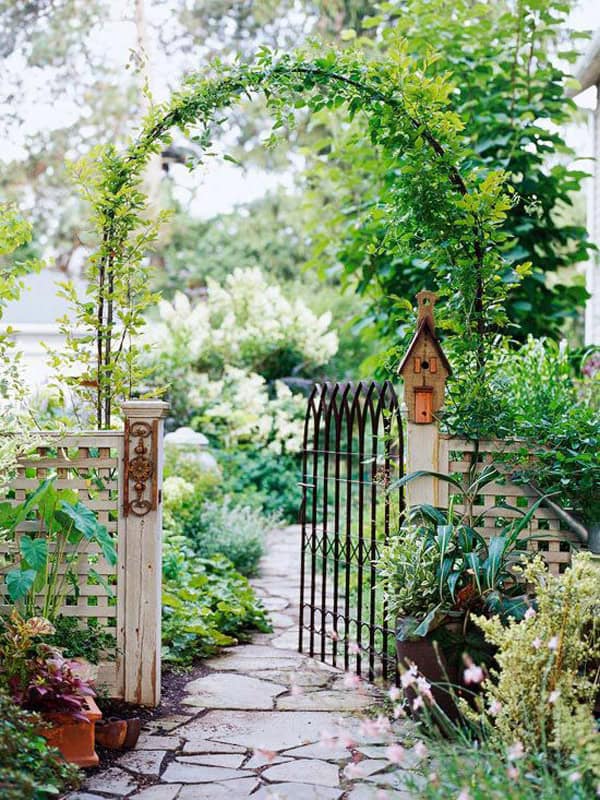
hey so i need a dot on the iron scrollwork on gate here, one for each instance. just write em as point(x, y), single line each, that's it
point(352, 450)
point(140, 495)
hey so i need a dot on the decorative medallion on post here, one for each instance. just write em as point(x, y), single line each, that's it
point(424, 367)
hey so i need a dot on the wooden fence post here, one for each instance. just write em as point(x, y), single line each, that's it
point(142, 521)
point(426, 450)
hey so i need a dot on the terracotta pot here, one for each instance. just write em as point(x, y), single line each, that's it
point(118, 734)
point(431, 663)
point(74, 739)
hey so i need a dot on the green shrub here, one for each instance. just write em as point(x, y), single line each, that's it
point(206, 604)
point(264, 478)
point(29, 769)
point(233, 531)
point(182, 464)
point(91, 641)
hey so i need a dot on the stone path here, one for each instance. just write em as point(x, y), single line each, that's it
point(257, 724)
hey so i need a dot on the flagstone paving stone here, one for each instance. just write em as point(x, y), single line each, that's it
point(325, 701)
point(304, 771)
point(162, 791)
point(296, 791)
point(146, 762)
point(252, 726)
point(177, 772)
point(232, 691)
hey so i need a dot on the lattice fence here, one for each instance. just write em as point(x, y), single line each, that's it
point(108, 469)
point(89, 463)
point(552, 538)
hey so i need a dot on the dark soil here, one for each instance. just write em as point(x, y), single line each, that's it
point(172, 686)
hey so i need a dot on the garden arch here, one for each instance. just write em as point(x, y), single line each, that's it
point(407, 118)
point(406, 115)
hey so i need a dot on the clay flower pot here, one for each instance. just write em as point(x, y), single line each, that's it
point(74, 738)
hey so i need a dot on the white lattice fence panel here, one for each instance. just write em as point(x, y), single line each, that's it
point(550, 535)
point(90, 463)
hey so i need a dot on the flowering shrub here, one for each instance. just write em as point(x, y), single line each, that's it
point(246, 323)
point(544, 689)
point(237, 409)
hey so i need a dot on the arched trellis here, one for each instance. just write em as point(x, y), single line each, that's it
point(353, 448)
point(406, 113)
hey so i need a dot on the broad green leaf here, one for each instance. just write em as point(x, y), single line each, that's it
point(34, 551)
point(19, 582)
point(79, 518)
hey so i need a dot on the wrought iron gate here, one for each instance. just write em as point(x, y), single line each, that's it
point(353, 449)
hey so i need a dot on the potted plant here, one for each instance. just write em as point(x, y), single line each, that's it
point(439, 570)
point(40, 679)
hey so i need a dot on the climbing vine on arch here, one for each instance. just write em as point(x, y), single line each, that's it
point(441, 211)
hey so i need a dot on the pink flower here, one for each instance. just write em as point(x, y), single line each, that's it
point(553, 696)
point(383, 724)
point(353, 648)
point(334, 635)
point(516, 751)
point(420, 750)
point(537, 643)
point(329, 739)
point(399, 712)
point(433, 778)
point(473, 674)
point(424, 687)
point(268, 755)
point(553, 643)
point(574, 777)
point(395, 753)
point(417, 703)
point(394, 694)
point(464, 795)
point(348, 741)
point(351, 680)
point(409, 676)
point(353, 771)
point(495, 708)
point(513, 773)
point(530, 613)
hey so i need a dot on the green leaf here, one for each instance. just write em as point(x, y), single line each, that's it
point(34, 551)
point(19, 582)
point(78, 517)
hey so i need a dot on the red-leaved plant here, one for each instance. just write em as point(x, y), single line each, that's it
point(37, 676)
point(54, 686)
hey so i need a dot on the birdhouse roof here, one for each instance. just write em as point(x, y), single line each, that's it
point(425, 326)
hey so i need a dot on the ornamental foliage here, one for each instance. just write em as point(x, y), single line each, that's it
point(508, 63)
point(546, 684)
point(442, 209)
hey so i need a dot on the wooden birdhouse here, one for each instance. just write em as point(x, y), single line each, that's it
point(424, 367)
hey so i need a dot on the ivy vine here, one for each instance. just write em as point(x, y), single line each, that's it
point(443, 212)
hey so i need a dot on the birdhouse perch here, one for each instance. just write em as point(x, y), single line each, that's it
point(424, 367)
